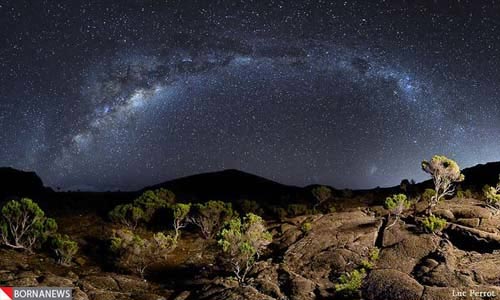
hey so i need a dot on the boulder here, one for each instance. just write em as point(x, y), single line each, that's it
point(391, 284)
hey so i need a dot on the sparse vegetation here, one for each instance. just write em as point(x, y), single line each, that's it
point(64, 248)
point(492, 196)
point(180, 212)
point(250, 206)
point(242, 243)
point(306, 227)
point(428, 194)
point(433, 224)
point(127, 214)
point(464, 194)
point(445, 173)
point(321, 194)
point(297, 210)
point(209, 217)
point(369, 263)
point(23, 225)
point(142, 209)
point(349, 284)
point(136, 254)
point(396, 204)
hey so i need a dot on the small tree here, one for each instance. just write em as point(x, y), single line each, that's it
point(151, 201)
point(445, 173)
point(349, 285)
point(396, 204)
point(180, 212)
point(242, 244)
point(64, 248)
point(250, 206)
point(23, 225)
point(127, 214)
point(433, 224)
point(294, 210)
point(321, 194)
point(210, 216)
point(492, 195)
point(137, 254)
point(142, 209)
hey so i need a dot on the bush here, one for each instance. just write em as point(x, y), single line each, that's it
point(295, 210)
point(136, 254)
point(64, 248)
point(23, 225)
point(251, 206)
point(397, 204)
point(321, 194)
point(180, 212)
point(242, 243)
point(433, 224)
point(428, 195)
point(306, 227)
point(127, 214)
point(151, 201)
point(350, 283)
point(211, 216)
point(374, 255)
point(445, 173)
point(492, 195)
point(142, 209)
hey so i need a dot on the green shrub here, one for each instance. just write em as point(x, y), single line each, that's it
point(137, 254)
point(64, 248)
point(127, 214)
point(23, 225)
point(349, 284)
point(242, 243)
point(397, 204)
point(428, 194)
point(433, 224)
point(295, 210)
point(151, 201)
point(209, 217)
point(250, 206)
point(180, 213)
point(374, 255)
point(461, 194)
point(366, 265)
point(445, 173)
point(321, 194)
point(369, 263)
point(142, 209)
point(306, 227)
point(492, 196)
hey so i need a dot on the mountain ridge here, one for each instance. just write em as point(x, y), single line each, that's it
point(226, 184)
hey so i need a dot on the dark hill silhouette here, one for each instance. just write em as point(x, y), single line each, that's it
point(482, 174)
point(227, 185)
point(231, 185)
point(16, 183)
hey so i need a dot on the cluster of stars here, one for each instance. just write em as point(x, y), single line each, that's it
point(352, 94)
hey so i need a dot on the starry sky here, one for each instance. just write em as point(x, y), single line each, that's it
point(104, 95)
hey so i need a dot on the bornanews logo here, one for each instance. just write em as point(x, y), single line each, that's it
point(6, 293)
point(36, 293)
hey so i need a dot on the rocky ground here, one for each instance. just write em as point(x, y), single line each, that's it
point(300, 264)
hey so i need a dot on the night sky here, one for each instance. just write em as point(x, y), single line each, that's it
point(122, 94)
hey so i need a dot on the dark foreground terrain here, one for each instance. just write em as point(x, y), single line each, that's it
point(301, 263)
